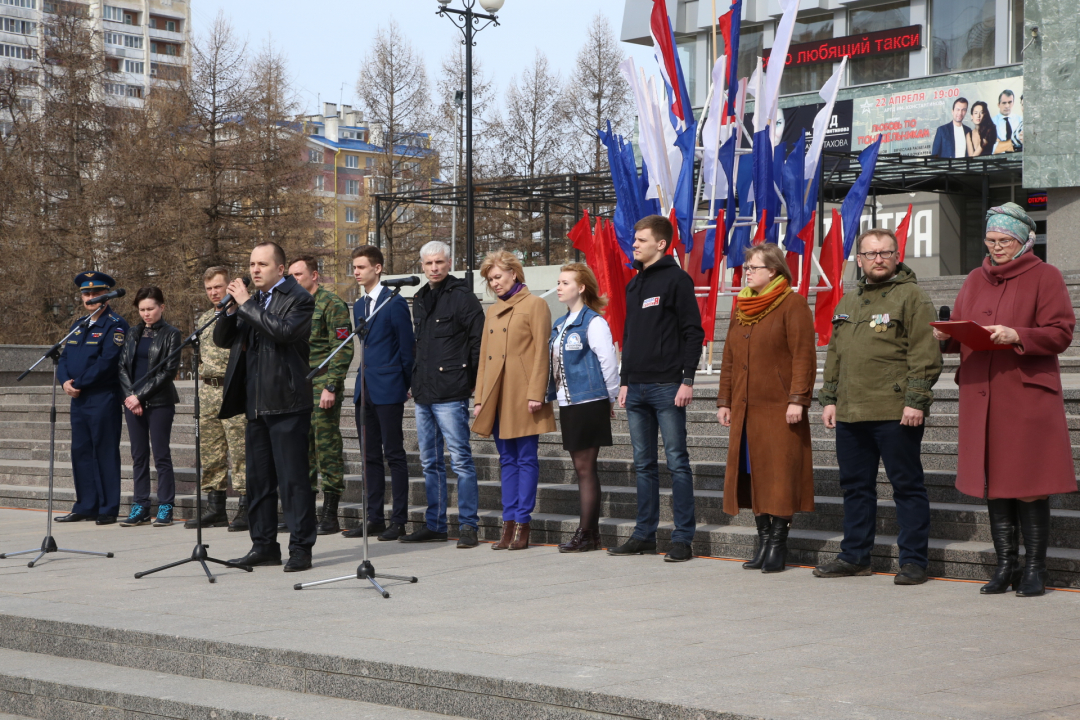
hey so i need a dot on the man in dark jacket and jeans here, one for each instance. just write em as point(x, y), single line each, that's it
point(449, 323)
point(267, 334)
point(661, 348)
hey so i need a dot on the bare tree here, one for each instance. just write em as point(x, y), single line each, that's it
point(394, 91)
point(531, 136)
point(597, 94)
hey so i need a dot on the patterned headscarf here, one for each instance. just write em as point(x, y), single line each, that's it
point(1011, 220)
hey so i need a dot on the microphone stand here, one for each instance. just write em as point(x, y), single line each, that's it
point(198, 554)
point(365, 570)
point(48, 545)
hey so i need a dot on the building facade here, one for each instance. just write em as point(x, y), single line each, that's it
point(143, 40)
point(929, 76)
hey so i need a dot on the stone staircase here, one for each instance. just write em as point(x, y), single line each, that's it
point(960, 544)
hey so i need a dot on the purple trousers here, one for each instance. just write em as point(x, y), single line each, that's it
point(520, 471)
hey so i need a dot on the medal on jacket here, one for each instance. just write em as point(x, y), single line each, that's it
point(879, 322)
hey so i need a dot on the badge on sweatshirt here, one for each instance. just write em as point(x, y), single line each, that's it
point(651, 302)
point(573, 342)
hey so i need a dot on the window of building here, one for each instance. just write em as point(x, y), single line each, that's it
point(351, 215)
point(808, 78)
point(319, 239)
point(165, 49)
point(687, 50)
point(120, 39)
point(751, 46)
point(160, 23)
point(18, 52)
point(319, 182)
point(961, 35)
point(165, 72)
point(19, 27)
point(884, 67)
point(352, 161)
point(371, 238)
point(352, 240)
point(352, 187)
point(31, 4)
point(314, 156)
point(369, 162)
point(134, 91)
point(1019, 38)
point(319, 212)
point(133, 66)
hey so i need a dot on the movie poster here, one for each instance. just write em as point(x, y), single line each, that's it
point(946, 121)
point(793, 121)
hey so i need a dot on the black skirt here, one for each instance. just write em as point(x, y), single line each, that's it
point(587, 425)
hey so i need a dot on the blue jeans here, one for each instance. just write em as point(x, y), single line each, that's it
point(651, 407)
point(519, 467)
point(859, 446)
point(434, 423)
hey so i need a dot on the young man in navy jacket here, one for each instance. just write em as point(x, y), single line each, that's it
point(388, 363)
point(661, 348)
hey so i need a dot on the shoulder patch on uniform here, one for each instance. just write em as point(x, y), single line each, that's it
point(840, 317)
point(118, 337)
point(341, 332)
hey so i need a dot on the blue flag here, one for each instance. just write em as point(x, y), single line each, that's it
point(794, 186)
point(630, 199)
point(764, 190)
point(852, 207)
point(740, 236)
point(683, 202)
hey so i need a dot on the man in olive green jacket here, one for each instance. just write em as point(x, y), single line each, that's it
point(880, 372)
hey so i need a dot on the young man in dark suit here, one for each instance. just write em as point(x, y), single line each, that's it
point(951, 138)
point(388, 363)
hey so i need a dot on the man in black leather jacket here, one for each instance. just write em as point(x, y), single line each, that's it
point(267, 334)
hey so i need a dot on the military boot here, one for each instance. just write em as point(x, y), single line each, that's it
point(328, 523)
point(240, 520)
point(213, 513)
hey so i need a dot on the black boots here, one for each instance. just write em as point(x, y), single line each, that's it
point(1035, 525)
point(214, 512)
point(1005, 531)
point(776, 551)
point(240, 520)
point(764, 524)
point(328, 520)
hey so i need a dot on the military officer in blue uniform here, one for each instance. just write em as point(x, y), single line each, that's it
point(89, 371)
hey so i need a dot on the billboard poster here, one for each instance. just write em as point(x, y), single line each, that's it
point(837, 133)
point(950, 120)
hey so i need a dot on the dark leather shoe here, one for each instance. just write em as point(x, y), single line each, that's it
point(910, 574)
point(841, 568)
point(764, 524)
point(633, 546)
point(424, 534)
point(73, 517)
point(679, 552)
point(298, 562)
point(373, 528)
point(467, 537)
point(282, 527)
point(582, 541)
point(105, 520)
point(393, 531)
point(256, 558)
point(776, 553)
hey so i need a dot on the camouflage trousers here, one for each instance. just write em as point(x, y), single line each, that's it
point(221, 444)
point(325, 447)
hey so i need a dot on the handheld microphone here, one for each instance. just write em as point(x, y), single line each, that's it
point(402, 282)
point(117, 293)
point(229, 298)
point(944, 314)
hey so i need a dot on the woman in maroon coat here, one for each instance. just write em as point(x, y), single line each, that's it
point(1014, 439)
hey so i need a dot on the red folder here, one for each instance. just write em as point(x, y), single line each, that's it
point(972, 334)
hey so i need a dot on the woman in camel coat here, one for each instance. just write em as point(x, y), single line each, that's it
point(510, 387)
point(766, 384)
point(1014, 447)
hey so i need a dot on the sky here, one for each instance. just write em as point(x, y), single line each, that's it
point(326, 40)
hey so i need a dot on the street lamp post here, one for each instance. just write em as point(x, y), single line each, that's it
point(468, 21)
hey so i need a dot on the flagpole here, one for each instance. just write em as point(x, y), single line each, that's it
point(714, 51)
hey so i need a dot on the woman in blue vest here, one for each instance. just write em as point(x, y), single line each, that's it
point(584, 378)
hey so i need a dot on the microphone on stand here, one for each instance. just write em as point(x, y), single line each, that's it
point(229, 298)
point(117, 293)
point(402, 282)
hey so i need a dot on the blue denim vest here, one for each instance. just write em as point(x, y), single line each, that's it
point(581, 373)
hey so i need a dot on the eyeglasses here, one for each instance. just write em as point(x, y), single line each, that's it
point(999, 243)
point(752, 268)
point(884, 255)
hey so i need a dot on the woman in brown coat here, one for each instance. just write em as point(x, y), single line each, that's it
point(766, 383)
point(510, 387)
point(1014, 445)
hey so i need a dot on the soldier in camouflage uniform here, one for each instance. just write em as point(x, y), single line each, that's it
point(221, 442)
point(329, 326)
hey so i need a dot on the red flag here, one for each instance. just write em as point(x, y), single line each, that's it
point(708, 315)
point(674, 234)
point(807, 236)
point(581, 236)
point(832, 263)
point(614, 279)
point(598, 259)
point(901, 233)
point(724, 21)
point(759, 234)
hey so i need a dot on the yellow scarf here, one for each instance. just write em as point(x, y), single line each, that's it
point(751, 306)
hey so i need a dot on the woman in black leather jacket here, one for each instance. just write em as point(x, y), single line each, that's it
point(149, 405)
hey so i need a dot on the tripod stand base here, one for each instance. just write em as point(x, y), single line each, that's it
point(197, 555)
point(364, 571)
point(48, 545)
